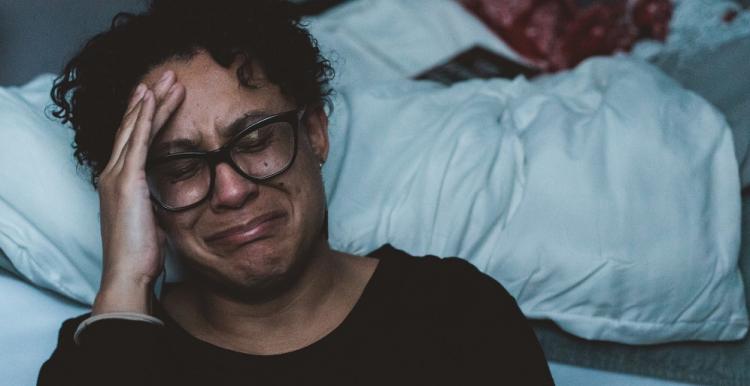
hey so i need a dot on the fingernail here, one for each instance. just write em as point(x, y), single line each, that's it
point(165, 76)
point(139, 91)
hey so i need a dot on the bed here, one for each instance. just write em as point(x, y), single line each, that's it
point(31, 317)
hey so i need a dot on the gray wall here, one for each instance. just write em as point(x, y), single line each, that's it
point(39, 36)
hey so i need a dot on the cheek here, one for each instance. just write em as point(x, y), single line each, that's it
point(178, 227)
point(304, 189)
point(312, 195)
point(297, 190)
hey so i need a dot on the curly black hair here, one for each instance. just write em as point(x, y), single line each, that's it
point(92, 92)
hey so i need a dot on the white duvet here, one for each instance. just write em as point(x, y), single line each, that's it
point(605, 199)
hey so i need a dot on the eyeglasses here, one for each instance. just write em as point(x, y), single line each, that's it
point(261, 151)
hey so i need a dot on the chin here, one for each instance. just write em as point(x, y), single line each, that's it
point(257, 273)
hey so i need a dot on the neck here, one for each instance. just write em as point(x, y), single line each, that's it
point(311, 289)
point(314, 305)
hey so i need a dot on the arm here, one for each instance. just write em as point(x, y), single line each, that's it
point(505, 336)
point(111, 351)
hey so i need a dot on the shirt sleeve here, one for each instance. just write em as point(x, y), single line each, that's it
point(498, 344)
point(111, 352)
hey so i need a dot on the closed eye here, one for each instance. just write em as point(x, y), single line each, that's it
point(255, 141)
point(180, 170)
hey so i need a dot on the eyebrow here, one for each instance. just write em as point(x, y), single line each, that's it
point(243, 122)
point(229, 131)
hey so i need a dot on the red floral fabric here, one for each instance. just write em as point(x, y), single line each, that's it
point(557, 34)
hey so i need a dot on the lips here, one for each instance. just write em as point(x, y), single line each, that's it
point(257, 228)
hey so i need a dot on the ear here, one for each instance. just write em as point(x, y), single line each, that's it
point(315, 122)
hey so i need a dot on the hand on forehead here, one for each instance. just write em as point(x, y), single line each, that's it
point(214, 99)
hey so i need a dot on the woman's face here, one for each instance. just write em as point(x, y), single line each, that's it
point(248, 237)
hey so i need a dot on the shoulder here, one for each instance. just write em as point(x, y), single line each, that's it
point(469, 314)
point(450, 273)
point(450, 285)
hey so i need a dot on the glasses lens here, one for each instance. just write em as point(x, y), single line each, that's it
point(266, 150)
point(179, 182)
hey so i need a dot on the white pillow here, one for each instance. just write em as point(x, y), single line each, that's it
point(49, 225)
point(630, 224)
point(605, 199)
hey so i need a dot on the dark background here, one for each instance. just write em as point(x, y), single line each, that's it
point(38, 36)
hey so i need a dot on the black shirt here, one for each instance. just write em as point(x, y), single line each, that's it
point(419, 321)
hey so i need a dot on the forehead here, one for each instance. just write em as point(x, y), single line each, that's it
point(214, 97)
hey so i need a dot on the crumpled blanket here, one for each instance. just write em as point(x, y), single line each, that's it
point(614, 230)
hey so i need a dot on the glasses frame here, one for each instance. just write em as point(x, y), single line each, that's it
point(223, 155)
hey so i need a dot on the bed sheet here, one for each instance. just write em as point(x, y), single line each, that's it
point(30, 318)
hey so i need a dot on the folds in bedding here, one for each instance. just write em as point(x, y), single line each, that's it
point(605, 199)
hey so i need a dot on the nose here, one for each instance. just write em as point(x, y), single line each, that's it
point(231, 190)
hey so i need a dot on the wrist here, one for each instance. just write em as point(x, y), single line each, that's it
point(123, 294)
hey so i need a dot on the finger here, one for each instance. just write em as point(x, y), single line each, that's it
point(135, 156)
point(136, 97)
point(117, 166)
point(167, 107)
point(163, 86)
point(128, 122)
point(123, 134)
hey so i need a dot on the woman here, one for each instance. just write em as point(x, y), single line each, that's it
point(217, 156)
